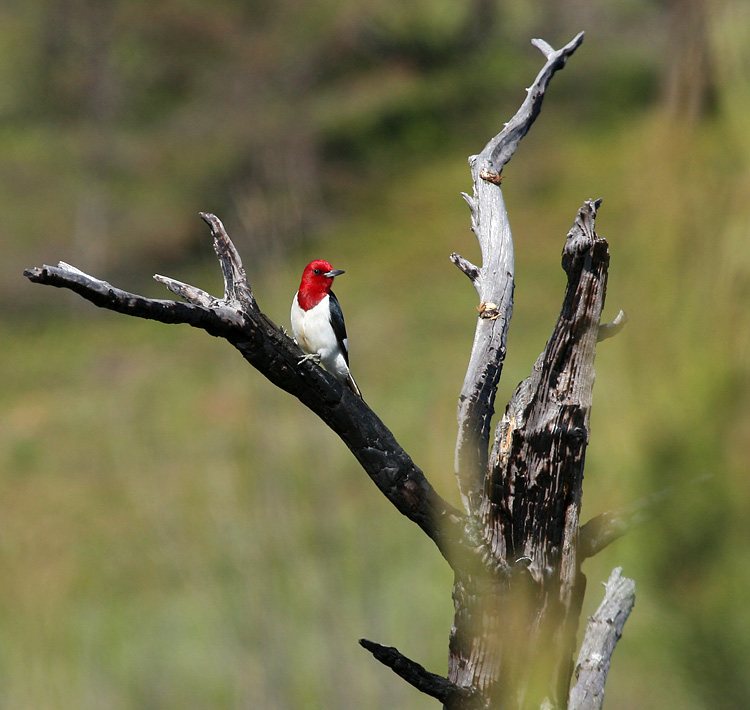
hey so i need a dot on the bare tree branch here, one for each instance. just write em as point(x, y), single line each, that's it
point(552, 405)
point(503, 146)
point(188, 293)
point(466, 266)
point(517, 553)
point(493, 281)
point(216, 320)
point(431, 684)
point(237, 319)
point(237, 289)
point(603, 631)
point(605, 528)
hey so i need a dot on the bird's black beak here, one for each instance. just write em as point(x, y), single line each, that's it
point(333, 272)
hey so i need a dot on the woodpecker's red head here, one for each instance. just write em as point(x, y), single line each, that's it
point(317, 279)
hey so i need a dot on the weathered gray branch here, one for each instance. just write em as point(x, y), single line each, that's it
point(238, 293)
point(237, 318)
point(466, 266)
point(503, 146)
point(493, 281)
point(603, 631)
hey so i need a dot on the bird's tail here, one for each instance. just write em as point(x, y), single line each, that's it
point(353, 385)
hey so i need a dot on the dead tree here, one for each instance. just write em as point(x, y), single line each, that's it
point(517, 547)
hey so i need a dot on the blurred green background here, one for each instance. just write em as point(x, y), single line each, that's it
point(176, 533)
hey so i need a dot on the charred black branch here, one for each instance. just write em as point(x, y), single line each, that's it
point(604, 529)
point(429, 683)
point(531, 501)
point(540, 442)
point(237, 319)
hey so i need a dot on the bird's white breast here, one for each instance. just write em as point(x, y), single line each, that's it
point(312, 329)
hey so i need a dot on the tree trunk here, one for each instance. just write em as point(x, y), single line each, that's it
point(529, 511)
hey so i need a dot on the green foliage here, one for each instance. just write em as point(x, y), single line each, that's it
point(176, 533)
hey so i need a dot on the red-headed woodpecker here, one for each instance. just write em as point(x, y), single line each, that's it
point(318, 323)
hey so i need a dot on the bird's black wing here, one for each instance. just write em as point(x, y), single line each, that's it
point(337, 322)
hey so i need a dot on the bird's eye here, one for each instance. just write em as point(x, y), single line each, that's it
point(316, 272)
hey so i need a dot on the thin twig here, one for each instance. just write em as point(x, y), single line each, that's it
point(609, 330)
point(466, 266)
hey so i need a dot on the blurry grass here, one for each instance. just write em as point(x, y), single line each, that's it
point(176, 533)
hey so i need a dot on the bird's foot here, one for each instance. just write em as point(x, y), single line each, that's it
point(314, 357)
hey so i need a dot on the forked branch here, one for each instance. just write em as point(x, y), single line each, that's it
point(493, 280)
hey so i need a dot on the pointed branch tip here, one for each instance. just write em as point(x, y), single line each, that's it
point(466, 266)
point(73, 269)
point(603, 631)
point(211, 220)
point(471, 201)
point(501, 148)
point(609, 330)
point(191, 294)
point(544, 47)
point(237, 291)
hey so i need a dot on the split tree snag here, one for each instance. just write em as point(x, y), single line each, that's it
point(529, 512)
point(516, 550)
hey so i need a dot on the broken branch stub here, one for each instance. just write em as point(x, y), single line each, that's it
point(537, 457)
